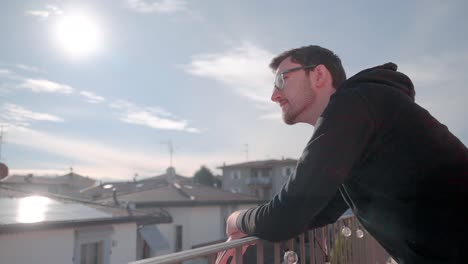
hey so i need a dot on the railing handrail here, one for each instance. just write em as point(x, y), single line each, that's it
point(198, 252)
point(320, 246)
point(258, 180)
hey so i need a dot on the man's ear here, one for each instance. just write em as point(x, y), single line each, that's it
point(320, 76)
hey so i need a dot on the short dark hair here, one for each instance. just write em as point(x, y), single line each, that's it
point(314, 55)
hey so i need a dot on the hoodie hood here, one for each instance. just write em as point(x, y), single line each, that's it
point(385, 74)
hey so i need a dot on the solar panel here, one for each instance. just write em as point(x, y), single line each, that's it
point(34, 209)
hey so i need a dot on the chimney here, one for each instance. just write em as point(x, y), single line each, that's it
point(170, 175)
point(28, 178)
point(114, 196)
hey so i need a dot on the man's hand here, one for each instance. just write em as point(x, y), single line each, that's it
point(225, 257)
point(231, 226)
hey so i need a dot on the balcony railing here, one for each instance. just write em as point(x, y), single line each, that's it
point(342, 242)
point(258, 181)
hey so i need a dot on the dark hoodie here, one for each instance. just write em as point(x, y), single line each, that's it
point(404, 175)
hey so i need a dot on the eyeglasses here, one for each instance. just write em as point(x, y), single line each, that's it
point(279, 78)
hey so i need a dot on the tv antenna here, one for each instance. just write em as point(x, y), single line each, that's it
point(171, 149)
point(246, 152)
point(1, 141)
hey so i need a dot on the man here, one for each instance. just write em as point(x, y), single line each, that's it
point(373, 150)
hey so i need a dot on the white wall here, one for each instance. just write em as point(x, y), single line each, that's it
point(57, 246)
point(124, 240)
point(201, 224)
point(51, 246)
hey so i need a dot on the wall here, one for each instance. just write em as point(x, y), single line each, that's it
point(201, 224)
point(52, 246)
point(57, 246)
point(124, 240)
point(230, 183)
point(280, 178)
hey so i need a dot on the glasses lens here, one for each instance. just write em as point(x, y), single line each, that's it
point(279, 81)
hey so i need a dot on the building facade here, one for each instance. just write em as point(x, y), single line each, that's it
point(262, 179)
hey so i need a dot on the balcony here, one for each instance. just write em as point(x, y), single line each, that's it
point(259, 181)
point(342, 242)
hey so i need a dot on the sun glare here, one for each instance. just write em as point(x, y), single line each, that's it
point(78, 35)
point(32, 209)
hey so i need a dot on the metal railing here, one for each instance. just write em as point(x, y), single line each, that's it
point(333, 243)
point(258, 181)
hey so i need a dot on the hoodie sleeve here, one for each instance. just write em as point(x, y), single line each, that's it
point(330, 213)
point(340, 136)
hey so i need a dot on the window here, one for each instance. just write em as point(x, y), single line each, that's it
point(257, 192)
point(92, 245)
point(52, 189)
point(92, 253)
point(235, 190)
point(146, 251)
point(150, 241)
point(287, 171)
point(178, 238)
point(235, 175)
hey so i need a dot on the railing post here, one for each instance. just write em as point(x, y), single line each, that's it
point(259, 246)
point(302, 248)
point(311, 247)
point(239, 258)
point(277, 256)
point(290, 244)
point(212, 258)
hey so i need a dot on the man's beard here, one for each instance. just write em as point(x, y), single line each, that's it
point(291, 114)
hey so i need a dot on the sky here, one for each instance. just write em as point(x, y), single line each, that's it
point(107, 87)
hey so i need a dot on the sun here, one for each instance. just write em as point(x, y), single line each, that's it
point(78, 35)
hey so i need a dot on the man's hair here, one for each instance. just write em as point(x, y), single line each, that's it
point(313, 54)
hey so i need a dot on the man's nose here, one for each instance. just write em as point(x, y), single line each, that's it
point(276, 95)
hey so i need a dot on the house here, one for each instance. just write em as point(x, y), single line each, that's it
point(69, 184)
point(199, 213)
point(262, 179)
point(47, 229)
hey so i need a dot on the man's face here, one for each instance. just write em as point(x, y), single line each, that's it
point(297, 97)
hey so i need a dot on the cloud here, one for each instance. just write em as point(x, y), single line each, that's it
point(11, 75)
point(21, 116)
point(28, 68)
point(46, 86)
point(91, 97)
point(153, 117)
point(244, 69)
point(107, 161)
point(50, 10)
point(5, 72)
point(157, 6)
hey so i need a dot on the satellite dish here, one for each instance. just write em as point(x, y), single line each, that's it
point(3, 171)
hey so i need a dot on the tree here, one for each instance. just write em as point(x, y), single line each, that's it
point(204, 177)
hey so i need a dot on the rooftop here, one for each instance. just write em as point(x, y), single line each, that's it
point(22, 211)
point(67, 179)
point(176, 194)
point(105, 189)
point(260, 163)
